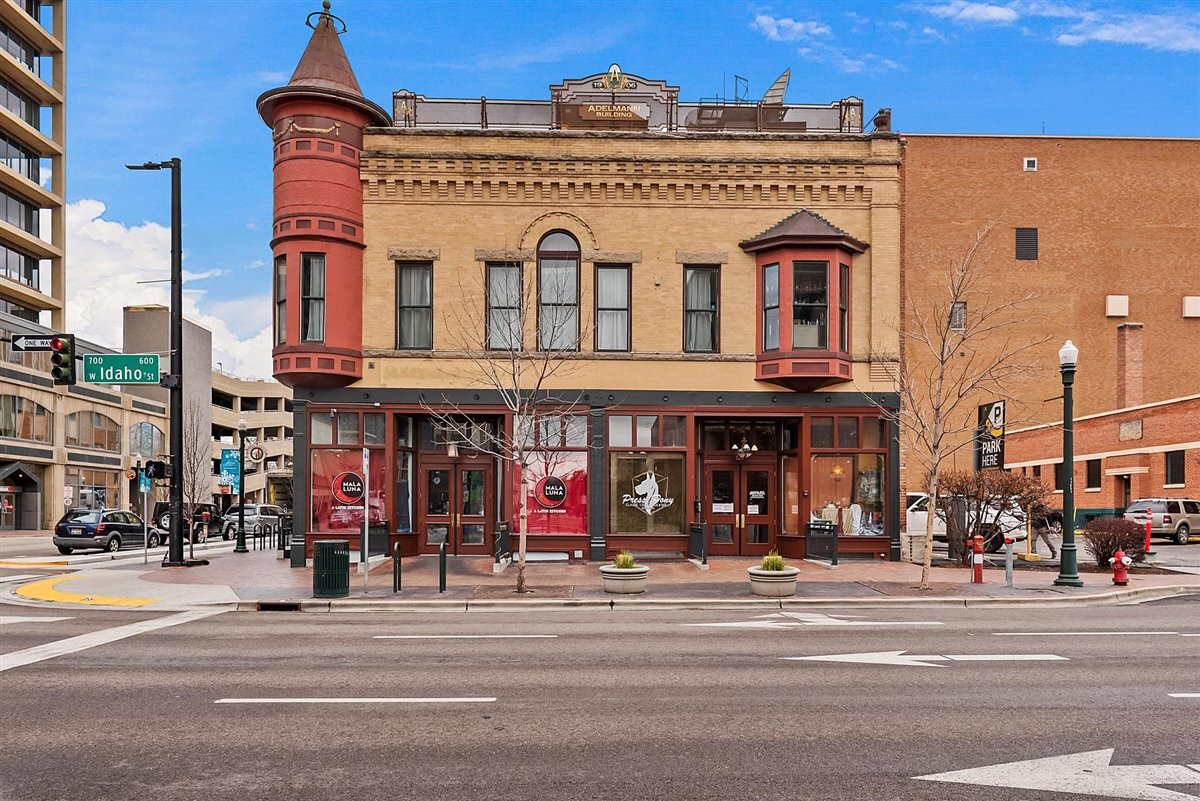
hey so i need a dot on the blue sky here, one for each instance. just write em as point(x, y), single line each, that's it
point(151, 80)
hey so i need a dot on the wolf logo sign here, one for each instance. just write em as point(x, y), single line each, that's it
point(647, 494)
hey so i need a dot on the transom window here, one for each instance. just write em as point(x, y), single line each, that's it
point(558, 292)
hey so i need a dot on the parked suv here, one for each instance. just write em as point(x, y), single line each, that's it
point(162, 516)
point(1173, 518)
point(257, 514)
point(997, 522)
point(102, 530)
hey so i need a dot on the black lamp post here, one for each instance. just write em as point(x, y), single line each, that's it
point(241, 535)
point(174, 381)
point(1068, 565)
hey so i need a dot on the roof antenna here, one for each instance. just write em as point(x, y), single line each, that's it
point(325, 15)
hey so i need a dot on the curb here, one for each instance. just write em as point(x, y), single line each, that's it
point(97, 558)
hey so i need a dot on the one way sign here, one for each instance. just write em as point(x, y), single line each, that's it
point(24, 344)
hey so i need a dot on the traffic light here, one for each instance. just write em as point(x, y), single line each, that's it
point(62, 359)
point(157, 469)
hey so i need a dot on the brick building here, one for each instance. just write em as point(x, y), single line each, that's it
point(716, 276)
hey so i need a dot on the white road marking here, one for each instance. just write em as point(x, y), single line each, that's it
point(70, 645)
point(1083, 633)
point(4, 620)
point(905, 659)
point(354, 701)
point(1185, 695)
point(1086, 773)
point(787, 620)
point(466, 636)
point(20, 577)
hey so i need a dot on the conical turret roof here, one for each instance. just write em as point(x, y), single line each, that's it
point(324, 64)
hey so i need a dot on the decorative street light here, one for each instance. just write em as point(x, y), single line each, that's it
point(241, 535)
point(1068, 566)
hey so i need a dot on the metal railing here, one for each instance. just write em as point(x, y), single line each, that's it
point(698, 542)
point(821, 541)
point(503, 540)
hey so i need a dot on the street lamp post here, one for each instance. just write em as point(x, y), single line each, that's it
point(241, 535)
point(1068, 565)
point(174, 381)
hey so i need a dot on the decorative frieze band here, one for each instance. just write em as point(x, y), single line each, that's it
point(503, 254)
point(613, 256)
point(702, 257)
point(414, 254)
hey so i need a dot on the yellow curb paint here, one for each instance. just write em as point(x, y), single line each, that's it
point(18, 563)
point(47, 591)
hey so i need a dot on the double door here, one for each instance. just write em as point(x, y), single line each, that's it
point(457, 502)
point(741, 508)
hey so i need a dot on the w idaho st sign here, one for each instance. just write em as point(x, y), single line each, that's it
point(121, 368)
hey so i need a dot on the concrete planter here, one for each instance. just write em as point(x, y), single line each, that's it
point(624, 580)
point(773, 583)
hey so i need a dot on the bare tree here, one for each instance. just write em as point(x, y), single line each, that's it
point(958, 344)
point(983, 503)
point(517, 347)
point(197, 465)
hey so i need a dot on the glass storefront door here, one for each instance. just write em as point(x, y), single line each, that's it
point(457, 504)
point(740, 508)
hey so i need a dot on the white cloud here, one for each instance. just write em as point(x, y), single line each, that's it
point(933, 33)
point(786, 29)
point(1170, 32)
point(105, 261)
point(272, 77)
point(986, 13)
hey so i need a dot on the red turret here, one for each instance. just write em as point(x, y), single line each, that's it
point(317, 124)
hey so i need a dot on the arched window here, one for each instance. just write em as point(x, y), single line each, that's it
point(558, 292)
point(146, 439)
point(21, 418)
point(93, 430)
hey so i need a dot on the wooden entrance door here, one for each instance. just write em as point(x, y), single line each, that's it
point(457, 505)
point(741, 508)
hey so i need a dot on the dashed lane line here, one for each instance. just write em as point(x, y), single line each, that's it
point(355, 700)
point(466, 636)
point(5, 620)
point(48, 591)
point(71, 645)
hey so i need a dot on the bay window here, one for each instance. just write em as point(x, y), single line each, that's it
point(312, 297)
point(280, 300)
point(810, 304)
point(770, 326)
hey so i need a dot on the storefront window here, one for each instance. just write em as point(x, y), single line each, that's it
point(556, 492)
point(404, 487)
point(791, 495)
point(874, 432)
point(647, 493)
point(848, 490)
point(338, 489)
point(92, 489)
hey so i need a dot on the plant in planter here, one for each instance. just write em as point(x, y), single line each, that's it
point(624, 575)
point(773, 578)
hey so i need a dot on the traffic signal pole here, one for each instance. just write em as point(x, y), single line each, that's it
point(175, 536)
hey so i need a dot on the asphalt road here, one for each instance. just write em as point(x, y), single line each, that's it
point(618, 704)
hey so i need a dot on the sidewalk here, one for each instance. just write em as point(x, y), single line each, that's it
point(245, 580)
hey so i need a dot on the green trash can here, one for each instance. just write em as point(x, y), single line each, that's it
point(331, 569)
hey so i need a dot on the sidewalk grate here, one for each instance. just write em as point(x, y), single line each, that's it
point(279, 606)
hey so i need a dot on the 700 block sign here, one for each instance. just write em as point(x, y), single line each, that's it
point(121, 368)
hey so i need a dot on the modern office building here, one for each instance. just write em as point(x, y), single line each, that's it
point(716, 280)
point(266, 408)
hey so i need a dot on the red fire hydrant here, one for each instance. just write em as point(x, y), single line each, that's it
point(977, 560)
point(1120, 564)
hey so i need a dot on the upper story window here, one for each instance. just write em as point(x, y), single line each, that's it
point(810, 304)
point(1175, 467)
point(1027, 244)
point(558, 292)
point(701, 312)
point(612, 307)
point(414, 302)
point(21, 418)
point(93, 430)
point(312, 297)
point(20, 267)
point(770, 305)
point(844, 308)
point(280, 300)
point(146, 440)
point(505, 322)
point(958, 316)
point(19, 103)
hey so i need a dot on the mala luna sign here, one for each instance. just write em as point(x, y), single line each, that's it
point(989, 437)
point(348, 489)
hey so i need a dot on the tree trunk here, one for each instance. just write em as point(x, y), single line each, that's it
point(930, 516)
point(522, 537)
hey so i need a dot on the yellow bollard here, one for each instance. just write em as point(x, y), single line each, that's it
point(1029, 555)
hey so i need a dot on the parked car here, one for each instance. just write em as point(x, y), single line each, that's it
point(1173, 518)
point(997, 522)
point(257, 514)
point(162, 516)
point(102, 530)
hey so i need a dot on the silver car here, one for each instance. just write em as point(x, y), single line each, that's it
point(257, 514)
point(1173, 518)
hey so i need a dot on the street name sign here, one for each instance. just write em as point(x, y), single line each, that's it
point(26, 344)
point(120, 368)
point(1085, 773)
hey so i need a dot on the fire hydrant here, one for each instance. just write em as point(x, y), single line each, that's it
point(1120, 564)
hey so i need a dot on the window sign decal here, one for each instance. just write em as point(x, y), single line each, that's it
point(649, 493)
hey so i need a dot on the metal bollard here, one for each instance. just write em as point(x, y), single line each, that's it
point(442, 568)
point(396, 568)
point(1008, 561)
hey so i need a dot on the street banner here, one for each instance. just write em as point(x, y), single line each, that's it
point(989, 437)
point(231, 473)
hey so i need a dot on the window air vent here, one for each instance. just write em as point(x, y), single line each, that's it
point(1027, 244)
point(1030, 164)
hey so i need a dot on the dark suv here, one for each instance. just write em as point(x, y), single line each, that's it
point(162, 516)
point(102, 530)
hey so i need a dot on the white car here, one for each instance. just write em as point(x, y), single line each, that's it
point(996, 524)
point(257, 514)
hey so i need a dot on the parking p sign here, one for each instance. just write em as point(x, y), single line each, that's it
point(989, 437)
